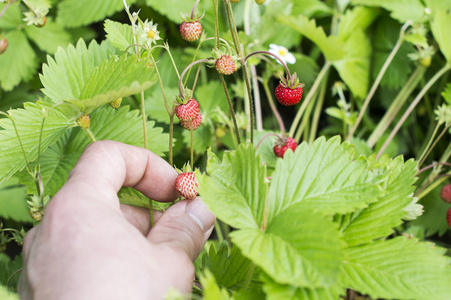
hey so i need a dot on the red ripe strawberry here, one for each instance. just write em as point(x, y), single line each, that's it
point(196, 122)
point(445, 193)
point(448, 217)
point(3, 45)
point(289, 91)
point(288, 96)
point(186, 184)
point(84, 121)
point(188, 112)
point(191, 31)
point(283, 145)
point(225, 65)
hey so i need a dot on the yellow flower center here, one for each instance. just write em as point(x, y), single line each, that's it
point(150, 34)
point(282, 52)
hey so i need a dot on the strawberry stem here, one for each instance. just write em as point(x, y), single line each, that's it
point(265, 137)
point(193, 11)
point(232, 112)
point(273, 55)
point(433, 165)
point(89, 133)
point(272, 105)
point(186, 70)
point(192, 145)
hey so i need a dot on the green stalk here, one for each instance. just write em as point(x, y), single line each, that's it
point(412, 106)
point(317, 113)
point(303, 128)
point(422, 156)
point(433, 145)
point(309, 97)
point(249, 94)
point(397, 104)
point(143, 113)
point(192, 144)
point(249, 275)
point(232, 112)
point(215, 4)
point(378, 79)
point(89, 133)
point(272, 105)
point(171, 134)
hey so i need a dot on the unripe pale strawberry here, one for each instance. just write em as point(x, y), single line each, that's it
point(196, 123)
point(116, 103)
point(186, 184)
point(3, 45)
point(191, 31)
point(225, 65)
point(84, 121)
point(188, 112)
point(445, 193)
point(283, 145)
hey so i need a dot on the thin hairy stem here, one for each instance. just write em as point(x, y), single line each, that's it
point(433, 165)
point(186, 70)
point(5, 8)
point(273, 55)
point(89, 133)
point(434, 144)
point(232, 112)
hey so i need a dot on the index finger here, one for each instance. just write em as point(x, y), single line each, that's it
point(107, 166)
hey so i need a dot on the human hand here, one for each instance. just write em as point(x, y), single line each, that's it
point(89, 246)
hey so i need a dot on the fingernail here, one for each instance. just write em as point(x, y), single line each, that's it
point(199, 212)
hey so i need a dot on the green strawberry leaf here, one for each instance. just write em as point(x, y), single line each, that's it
point(285, 249)
point(379, 218)
point(311, 8)
point(49, 37)
point(12, 17)
point(447, 94)
point(228, 265)
point(240, 182)
point(107, 123)
point(28, 122)
point(64, 76)
point(401, 10)
point(5, 294)
point(130, 196)
point(18, 62)
point(13, 202)
point(120, 35)
point(75, 13)
point(358, 18)
point(323, 177)
point(275, 291)
point(399, 268)
point(8, 267)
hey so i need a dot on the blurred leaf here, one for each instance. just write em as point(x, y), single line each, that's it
point(172, 8)
point(49, 37)
point(311, 8)
point(439, 27)
point(401, 10)
point(13, 202)
point(433, 219)
point(154, 102)
point(358, 18)
point(7, 295)
point(398, 268)
point(211, 96)
point(7, 267)
point(330, 46)
point(202, 137)
point(447, 94)
point(18, 62)
point(266, 148)
point(306, 68)
point(12, 17)
point(28, 122)
point(211, 290)
point(75, 13)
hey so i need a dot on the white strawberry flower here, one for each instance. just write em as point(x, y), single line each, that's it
point(282, 53)
point(149, 33)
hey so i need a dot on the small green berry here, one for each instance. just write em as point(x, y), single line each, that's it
point(116, 103)
point(84, 121)
point(260, 2)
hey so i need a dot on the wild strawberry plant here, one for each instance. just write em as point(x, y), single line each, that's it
point(343, 202)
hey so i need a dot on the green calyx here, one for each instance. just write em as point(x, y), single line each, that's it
point(292, 82)
point(185, 97)
point(189, 18)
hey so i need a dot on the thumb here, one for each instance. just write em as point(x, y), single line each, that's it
point(184, 227)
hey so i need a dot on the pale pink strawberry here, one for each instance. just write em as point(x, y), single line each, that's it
point(196, 123)
point(191, 31)
point(225, 65)
point(186, 184)
point(187, 112)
